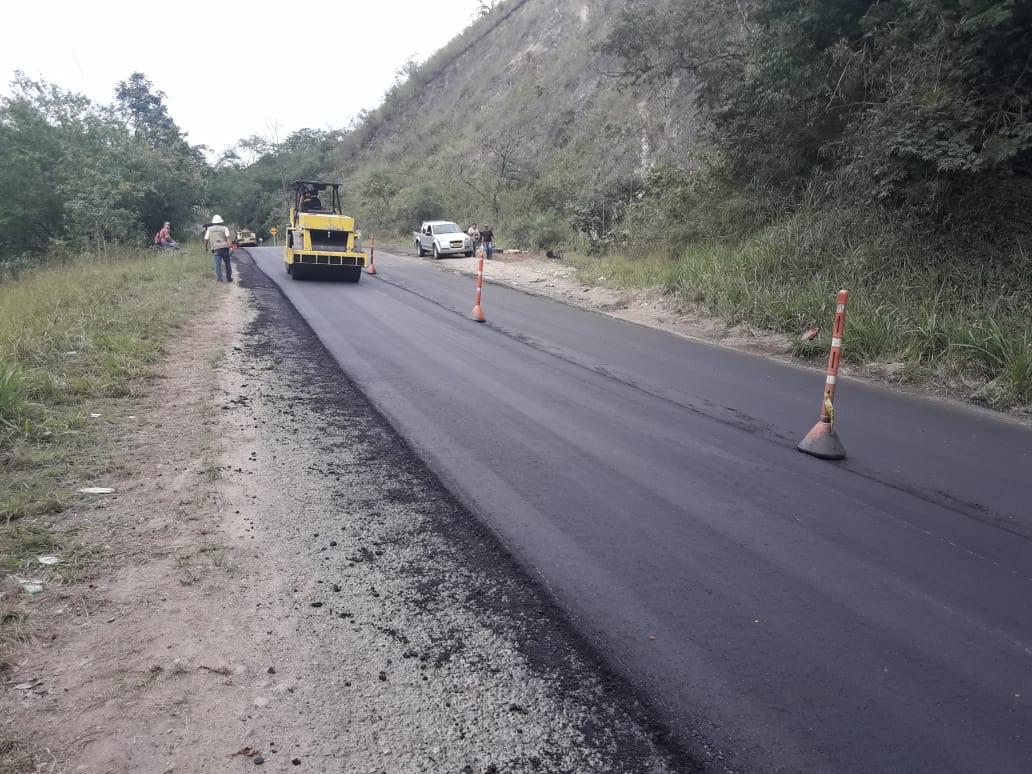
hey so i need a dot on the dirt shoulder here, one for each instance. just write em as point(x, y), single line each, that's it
point(279, 576)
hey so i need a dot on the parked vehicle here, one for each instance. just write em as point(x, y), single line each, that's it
point(246, 238)
point(320, 237)
point(440, 238)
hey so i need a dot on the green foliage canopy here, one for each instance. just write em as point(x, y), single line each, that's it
point(921, 105)
point(77, 175)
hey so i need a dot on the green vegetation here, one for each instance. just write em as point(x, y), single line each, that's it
point(965, 336)
point(75, 338)
point(920, 106)
point(881, 146)
point(81, 177)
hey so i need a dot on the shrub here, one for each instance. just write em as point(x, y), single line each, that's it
point(416, 204)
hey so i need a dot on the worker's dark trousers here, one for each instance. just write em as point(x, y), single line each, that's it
point(222, 256)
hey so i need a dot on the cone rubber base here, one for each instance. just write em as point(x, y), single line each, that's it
point(371, 269)
point(477, 314)
point(822, 442)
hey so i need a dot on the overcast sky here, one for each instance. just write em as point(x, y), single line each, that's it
point(231, 69)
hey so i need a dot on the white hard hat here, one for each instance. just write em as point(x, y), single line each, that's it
point(216, 218)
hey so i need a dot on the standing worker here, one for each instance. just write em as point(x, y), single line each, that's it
point(487, 239)
point(474, 236)
point(217, 239)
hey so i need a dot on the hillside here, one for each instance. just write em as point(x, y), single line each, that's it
point(750, 159)
point(517, 114)
point(524, 121)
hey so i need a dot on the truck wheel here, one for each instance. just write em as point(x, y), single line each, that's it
point(420, 250)
point(437, 255)
point(354, 274)
point(295, 272)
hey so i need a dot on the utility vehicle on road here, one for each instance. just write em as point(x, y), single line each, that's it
point(442, 237)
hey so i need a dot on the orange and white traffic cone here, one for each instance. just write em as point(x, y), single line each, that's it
point(372, 256)
point(478, 311)
point(822, 441)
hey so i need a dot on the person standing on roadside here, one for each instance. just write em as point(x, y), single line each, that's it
point(487, 239)
point(474, 236)
point(217, 240)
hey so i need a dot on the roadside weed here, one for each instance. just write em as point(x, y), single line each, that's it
point(947, 325)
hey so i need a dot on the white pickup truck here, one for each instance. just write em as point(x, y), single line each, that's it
point(442, 237)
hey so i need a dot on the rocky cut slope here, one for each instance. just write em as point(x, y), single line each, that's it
point(519, 120)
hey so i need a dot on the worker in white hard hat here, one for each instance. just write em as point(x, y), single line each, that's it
point(217, 239)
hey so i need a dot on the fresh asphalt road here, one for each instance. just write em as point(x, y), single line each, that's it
point(873, 615)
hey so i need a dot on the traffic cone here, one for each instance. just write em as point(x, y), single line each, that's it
point(478, 311)
point(822, 441)
point(372, 256)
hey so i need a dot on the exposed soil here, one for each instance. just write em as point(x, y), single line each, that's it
point(282, 578)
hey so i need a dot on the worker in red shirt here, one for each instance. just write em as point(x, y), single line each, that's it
point(163, 239)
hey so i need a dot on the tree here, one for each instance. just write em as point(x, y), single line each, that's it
point(252, 148)
point(419, 203)
point(651, 42)
point(144, 109)
point(80, 175)
point(30, 160)
point(381, 189)
point(499, 168)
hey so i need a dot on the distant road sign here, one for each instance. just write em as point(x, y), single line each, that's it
point(273, 231)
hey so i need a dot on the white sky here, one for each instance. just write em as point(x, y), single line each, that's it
point(231, 69)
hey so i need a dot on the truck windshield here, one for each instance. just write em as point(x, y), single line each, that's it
point(446, 228)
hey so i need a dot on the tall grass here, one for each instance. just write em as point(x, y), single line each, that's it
point(75, 335)
point(940, 319)
point(75, 338)
point(12, 398)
